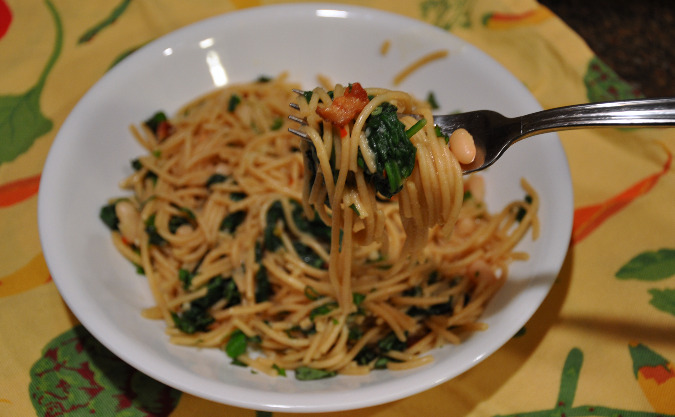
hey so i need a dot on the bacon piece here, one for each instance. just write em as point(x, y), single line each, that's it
point(164, 130)
point(345, 108)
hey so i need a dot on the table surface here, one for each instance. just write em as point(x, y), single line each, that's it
point(602, 343)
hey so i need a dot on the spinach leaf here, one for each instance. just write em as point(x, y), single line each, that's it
point(274, 214)
point(237, 344)
point(215, 179)
point(233, 103)
point(308, 95)
point(237, 196)
point(316, 227)
point(366, 355)
point(311, 293)
point(440, 134)
point(434, 310)
point(376, 353)
point(431, 99)
point(263, 288)
point(137, 165)
point(277, 123)
point(154, 238)
point(521, 211)
point(192, 321)
point(415, 128)
point(322, 310)
point(305, 373)
point(394, 152)
point(185, 277)
point(232, 221)
point(391, 342)
point(109, 216)
point(197, 318)
point(280, 371)
point(177, 221)
point(358, 298)
point(155, 120)
point(308, 255)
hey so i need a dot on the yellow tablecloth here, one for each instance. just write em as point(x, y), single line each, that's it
point(602, 343)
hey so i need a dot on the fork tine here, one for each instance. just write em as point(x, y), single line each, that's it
point(299, 133)
point(297, 119)
point(300, 93)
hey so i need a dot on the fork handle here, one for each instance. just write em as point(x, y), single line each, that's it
point(635, 113)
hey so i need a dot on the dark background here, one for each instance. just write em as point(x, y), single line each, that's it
point(636, 38)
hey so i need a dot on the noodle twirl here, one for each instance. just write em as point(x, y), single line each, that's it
point(341, 255)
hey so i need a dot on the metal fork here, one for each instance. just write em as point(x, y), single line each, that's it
point(493, 133)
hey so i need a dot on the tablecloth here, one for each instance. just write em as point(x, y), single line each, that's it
point(601, 344)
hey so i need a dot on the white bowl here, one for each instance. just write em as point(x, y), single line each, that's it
point(93, 148)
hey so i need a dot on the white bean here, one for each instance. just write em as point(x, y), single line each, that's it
point(129, 221)
point(476, 186)
point(482, 273)
point(462, 145)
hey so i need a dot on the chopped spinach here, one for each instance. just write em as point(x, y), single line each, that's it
point(305, 373)
point(192, 321)
point(366, 355)
point(237, 196)
point(154, 238)
point(280, 371)
point(297, 331)
point(233, 102)
point(263, 288)
point(393, 150)
point(311, 293)
point(521, 210)
point(415, 128)
point(232, 221)
point(109, 216)
point(155, 120)
point(237, 344)
point(274, 215)
point(308, 95)
point(177, 221)
point(440, 134)
point(467, 195)
point(381, 362)
point(358, 298)
point(308, 255)
point(196, 317)
point(355, 333)
point(391, 342)
point(137, 165)
point(431, 99)
point(434, 310)
point(316, 227)
point(322, 310)
point(215, 179)
point(277, 123)
point(185, 277)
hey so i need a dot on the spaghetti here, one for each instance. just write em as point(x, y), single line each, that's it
point(287, 256)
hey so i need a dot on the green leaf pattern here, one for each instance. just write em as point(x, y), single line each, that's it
point(653, 266)
point(21, 118)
